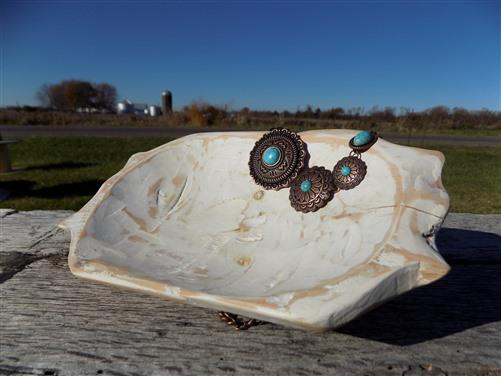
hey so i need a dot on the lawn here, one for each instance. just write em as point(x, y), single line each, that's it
point(64, 173)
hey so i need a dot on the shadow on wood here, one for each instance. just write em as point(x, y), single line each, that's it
point(465, 298)
point(26, 188)
point(59, 166)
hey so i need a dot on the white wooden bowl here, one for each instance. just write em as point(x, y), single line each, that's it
point(185, 221)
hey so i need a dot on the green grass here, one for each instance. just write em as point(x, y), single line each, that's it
point(64, 173)
point(472, 176)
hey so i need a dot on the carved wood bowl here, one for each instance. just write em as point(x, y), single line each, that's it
point(185, 221)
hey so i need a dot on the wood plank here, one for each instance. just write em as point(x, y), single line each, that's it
point(26, 237)
point(21, 231)
point(54, 323)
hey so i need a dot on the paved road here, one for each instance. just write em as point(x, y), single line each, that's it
point(9, 132)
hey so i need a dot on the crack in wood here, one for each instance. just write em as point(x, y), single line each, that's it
point(47, 235)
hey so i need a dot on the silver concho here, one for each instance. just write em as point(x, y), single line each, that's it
point(312, 189)
point(288, 155)
point(349, 172)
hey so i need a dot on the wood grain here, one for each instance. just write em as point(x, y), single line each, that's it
point(52, 323)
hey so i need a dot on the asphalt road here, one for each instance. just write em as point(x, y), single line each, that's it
point(18, 132)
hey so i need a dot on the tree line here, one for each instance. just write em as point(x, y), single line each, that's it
point(71, 95)
point(436, 114)
point(201, 113)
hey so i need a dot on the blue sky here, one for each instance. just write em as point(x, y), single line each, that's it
point(264, 55)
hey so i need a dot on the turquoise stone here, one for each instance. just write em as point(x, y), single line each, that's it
point(271, 156)
point(362, 138)
point(345, 170)
point(305, 185)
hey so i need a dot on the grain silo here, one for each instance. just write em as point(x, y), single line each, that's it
point(166, 102)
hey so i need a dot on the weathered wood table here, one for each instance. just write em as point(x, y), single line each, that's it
point(55, 324)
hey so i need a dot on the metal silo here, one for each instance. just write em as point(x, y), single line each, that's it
point(154, 110)
point(166, 102)
point(125, 107)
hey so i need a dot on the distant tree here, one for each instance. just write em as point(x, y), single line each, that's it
point(336, 112)
point(403, 111)
point(194, 113)
point(78, 94)
point(386, 114)
point(461, 117)
point(373, 110)
point(308, 113)
point(355, 112)
point(74, 94)
point(389, 113)
point(51, 96)
point(105, 96)
point(43, 95)
point(213, 114)
point(56, 97)
point(201, 113)
point(487, 117)
point(438, 114)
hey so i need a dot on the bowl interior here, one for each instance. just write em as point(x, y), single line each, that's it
point(191, 216)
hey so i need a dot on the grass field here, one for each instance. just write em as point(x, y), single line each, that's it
point(64, 173)
point(381, 128)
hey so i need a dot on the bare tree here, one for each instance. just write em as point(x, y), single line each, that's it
point(105, 96)
point(74, 94)
point(78, 94)
point(43, 95)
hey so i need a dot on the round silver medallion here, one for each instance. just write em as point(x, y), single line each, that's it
point(312, 189)
point(277, 158)
point(349, 172)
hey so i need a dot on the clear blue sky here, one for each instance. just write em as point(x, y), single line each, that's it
point(274, 55)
